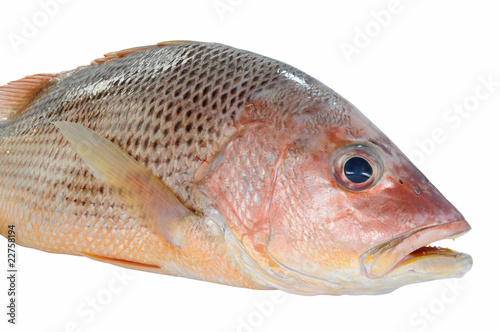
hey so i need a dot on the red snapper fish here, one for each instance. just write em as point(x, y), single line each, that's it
point(208, 162)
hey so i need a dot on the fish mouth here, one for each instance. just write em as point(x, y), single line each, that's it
point(411, 253)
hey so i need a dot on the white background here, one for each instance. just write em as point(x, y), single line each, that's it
point(428, 57)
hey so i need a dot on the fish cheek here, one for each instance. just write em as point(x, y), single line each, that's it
point(308, 214)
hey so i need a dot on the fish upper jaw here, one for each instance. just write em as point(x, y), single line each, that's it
point(410, 253)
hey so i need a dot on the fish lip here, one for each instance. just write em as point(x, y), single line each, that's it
point(384, 258)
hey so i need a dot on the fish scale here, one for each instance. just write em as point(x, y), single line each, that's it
point(169, 107)
point(208, 162)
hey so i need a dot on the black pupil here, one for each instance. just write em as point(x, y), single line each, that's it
point(358, 170)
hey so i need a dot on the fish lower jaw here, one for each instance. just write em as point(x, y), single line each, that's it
point(431, 263)
point(413, 255)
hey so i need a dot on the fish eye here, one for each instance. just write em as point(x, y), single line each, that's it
point(358, 170)
point(356, 167)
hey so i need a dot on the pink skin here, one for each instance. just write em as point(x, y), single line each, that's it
point(309, 235)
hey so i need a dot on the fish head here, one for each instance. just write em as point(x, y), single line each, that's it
point(350, 213)
point(318, 200)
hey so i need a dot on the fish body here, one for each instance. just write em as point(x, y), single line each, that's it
point(208, 162)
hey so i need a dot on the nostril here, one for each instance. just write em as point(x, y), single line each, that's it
point(417, 191)
point(400, 181)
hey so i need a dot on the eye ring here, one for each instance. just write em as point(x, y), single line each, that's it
point(356, 167)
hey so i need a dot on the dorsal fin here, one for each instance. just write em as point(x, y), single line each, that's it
point(120, 54)
point(17, 94)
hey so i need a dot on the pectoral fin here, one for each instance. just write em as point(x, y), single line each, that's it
point(152, 201)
